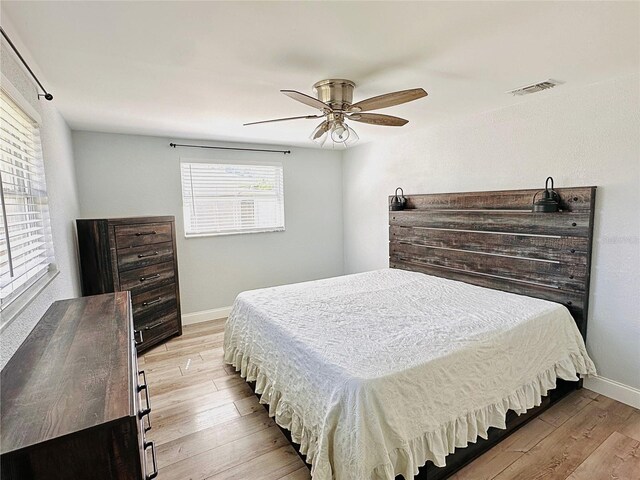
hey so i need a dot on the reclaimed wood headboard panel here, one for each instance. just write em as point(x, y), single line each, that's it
point(494, 240)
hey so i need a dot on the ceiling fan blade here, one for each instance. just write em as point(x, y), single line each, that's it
point(388, 100)
point(320, 130)
point(307, 100)
point(378, 119)
point(282, 119)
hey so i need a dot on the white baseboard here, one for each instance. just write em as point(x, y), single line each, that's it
point(205, 315)
point(612, 389)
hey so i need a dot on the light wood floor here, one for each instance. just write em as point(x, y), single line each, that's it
point(207, 424)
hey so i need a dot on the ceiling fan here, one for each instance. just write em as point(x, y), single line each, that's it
point(335, 101)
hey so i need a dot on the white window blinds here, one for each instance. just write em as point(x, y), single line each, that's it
point(220, 198)
point(26, 249)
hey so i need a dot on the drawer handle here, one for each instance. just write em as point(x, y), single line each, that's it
point(151, 302)
point(153, 474)
point(135, 339)
point(145, 255)
point(144, 379)
point(153, 325)
point(147, 410)
point(142, 279)
point(153, 232)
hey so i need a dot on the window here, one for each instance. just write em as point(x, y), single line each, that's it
point(222, 198)
point(26, 249)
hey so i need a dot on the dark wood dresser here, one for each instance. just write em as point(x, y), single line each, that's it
point(139, 255)
point(74, 405)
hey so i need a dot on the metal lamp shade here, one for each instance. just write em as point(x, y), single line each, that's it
point(550, 200)
point(397, 202)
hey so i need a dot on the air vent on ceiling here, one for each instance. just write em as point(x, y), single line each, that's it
point(535, 87)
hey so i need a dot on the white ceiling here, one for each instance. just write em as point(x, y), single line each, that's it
point(201, 69)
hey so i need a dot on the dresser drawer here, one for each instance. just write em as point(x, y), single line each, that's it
point(142, 234)
point(153, 300)
point(139, 279)
point(144, 255)
point(158, 327)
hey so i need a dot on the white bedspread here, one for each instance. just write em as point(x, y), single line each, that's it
point(376, 373)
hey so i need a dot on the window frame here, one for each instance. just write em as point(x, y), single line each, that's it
point(227, 161)
point(28, 292)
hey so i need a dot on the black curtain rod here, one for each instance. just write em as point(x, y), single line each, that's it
point(46, 94)
point(174, 145)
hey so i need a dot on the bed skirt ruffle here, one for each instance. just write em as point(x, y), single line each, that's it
point(433, 445)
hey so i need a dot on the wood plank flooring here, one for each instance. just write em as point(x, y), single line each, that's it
point(208, 424)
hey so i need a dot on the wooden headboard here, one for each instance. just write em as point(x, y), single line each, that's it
point(494, 240)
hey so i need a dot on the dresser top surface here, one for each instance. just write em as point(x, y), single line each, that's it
point(131, 220)
point(73, 372)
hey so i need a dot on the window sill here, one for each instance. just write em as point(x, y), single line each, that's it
point(222, 234)
point(17, 306)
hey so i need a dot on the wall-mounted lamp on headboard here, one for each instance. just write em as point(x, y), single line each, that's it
point(550, 201)
point(397, 202)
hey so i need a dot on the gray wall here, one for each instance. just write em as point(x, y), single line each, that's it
point(128, 175)
point(588, 136)
point(63, 206)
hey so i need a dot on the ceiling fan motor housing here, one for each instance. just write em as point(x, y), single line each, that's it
point(337, 93)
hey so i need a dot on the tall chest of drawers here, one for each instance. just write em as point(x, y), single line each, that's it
point(136, 254)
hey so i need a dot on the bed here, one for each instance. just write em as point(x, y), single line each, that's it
point(375, 374)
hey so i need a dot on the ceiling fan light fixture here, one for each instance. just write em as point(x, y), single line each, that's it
point(353, 137)
point(320, 133)
point(320, 140)
point(339, 132)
